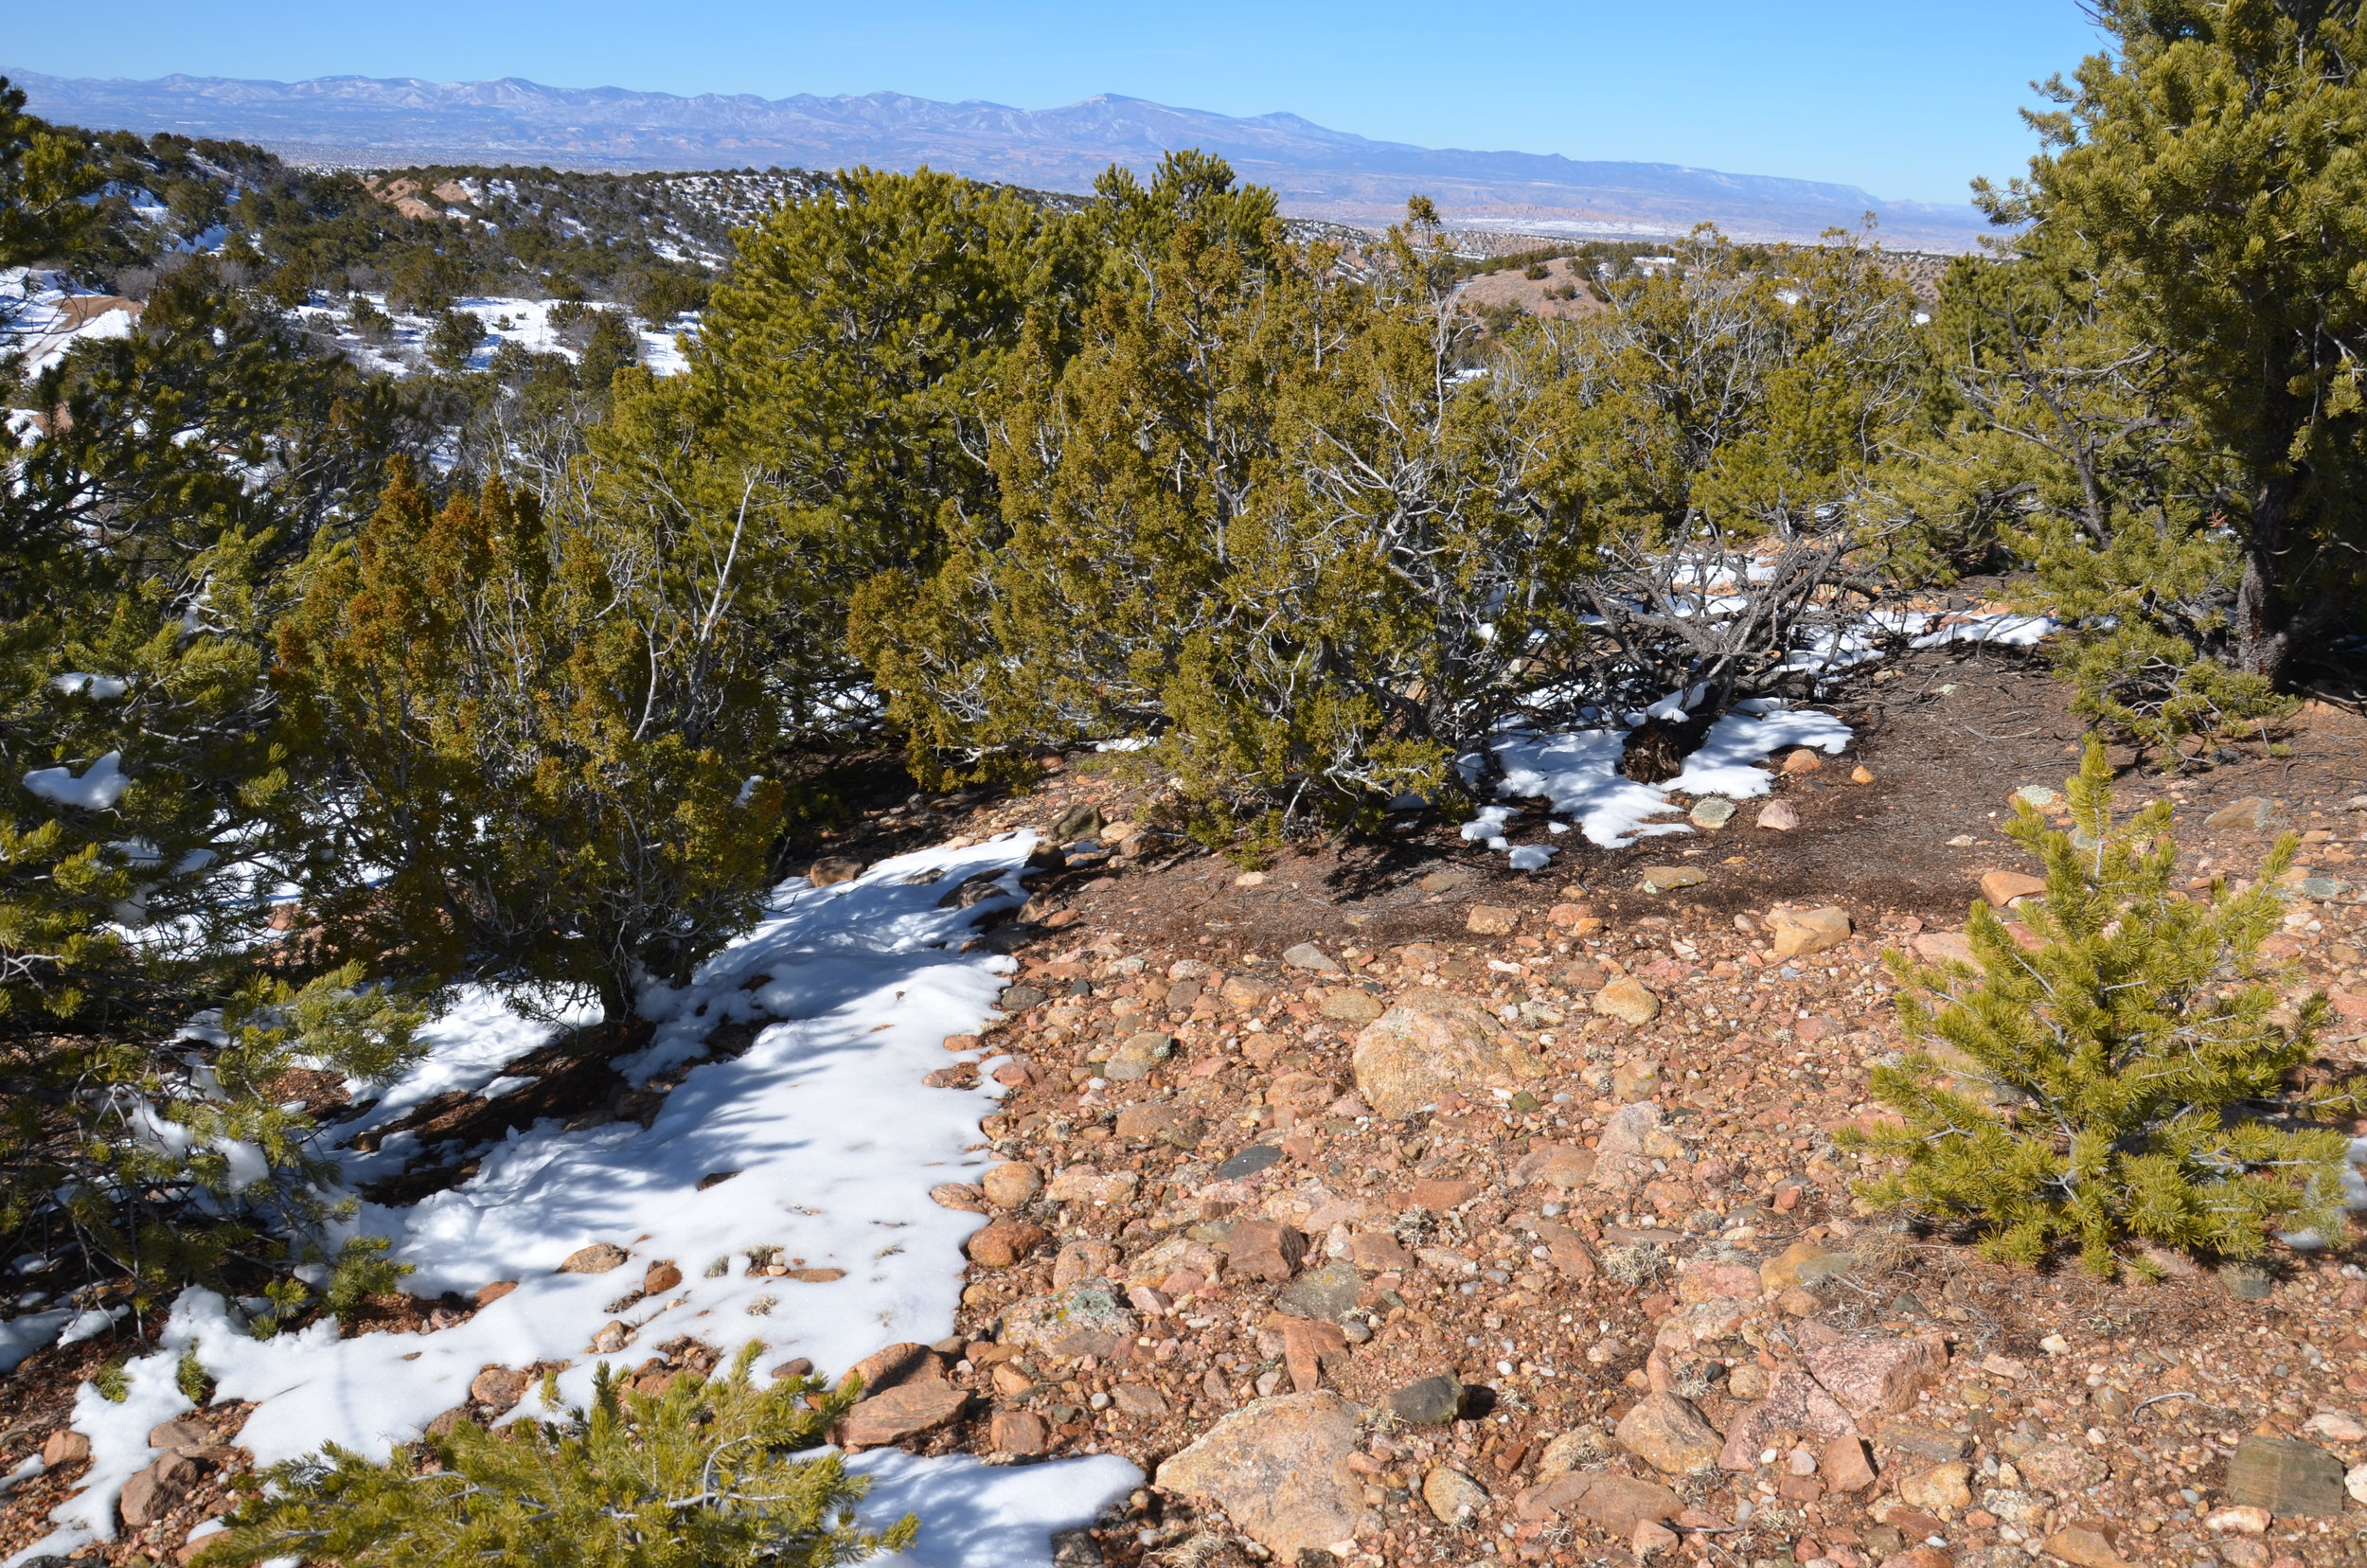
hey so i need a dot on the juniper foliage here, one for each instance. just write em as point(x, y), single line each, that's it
point(2121, 1079)
point(700, 1476)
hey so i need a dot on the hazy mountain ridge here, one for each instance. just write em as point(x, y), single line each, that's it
point(1317, 170)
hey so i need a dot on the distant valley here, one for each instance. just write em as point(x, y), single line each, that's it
point(1318, 172)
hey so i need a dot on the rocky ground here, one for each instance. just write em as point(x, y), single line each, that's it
point(1391, 1206)
point(1386, 1205)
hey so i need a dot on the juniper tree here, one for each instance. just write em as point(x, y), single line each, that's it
point(698, 1476)
point(2206, 175)
point(543, 726)
point(1252, 517)
point(2121, 1076)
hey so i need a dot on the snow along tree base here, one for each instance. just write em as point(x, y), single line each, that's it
point(2123, 1078)
point(698, 1476)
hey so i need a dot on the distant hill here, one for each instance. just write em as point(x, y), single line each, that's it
point(1318, 172)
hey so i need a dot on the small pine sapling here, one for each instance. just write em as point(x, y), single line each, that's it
point(2119, 1078)
point(699, 1476)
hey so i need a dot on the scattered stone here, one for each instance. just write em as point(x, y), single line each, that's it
point(1845, 1465)
point(1434, 1044)
point(1492, 920)
point(1019, 1432)
point(1944, 947)
point(1799, 932)
point(2085, 1546)
point(1140, 1401)
point(1307, 1347)
point(961, 1197)
point(497, 1388)
point(909, 1410)
point(599, 1257)
point(1307, 955)
point(1569, 1450)
point(1780, 815)
point(1803, 1263)
point(2354, 1482)
point(1452, 1497)
point(1250, 878)
point(1634, 1080)
point(1328, 1292)
point(2240, 1520)
point(1862, 775)
point(2003, 887)
point(832, 870)
point(1615, 1502)
point(2253, 814)
point(1377, 1251)
point(1795, 1406)
point(64, 1447)
point(2061, 1467)
point(1712, 811)
point(1432, 1401)
point(1278, 1468)
point(894, 1365)
point(1803, 761)
point(1011, 1184)
point(488, 1294)
point(1669, 1434)
point(1249, 1161)
point(2247, 1281)
point(155, 1491)
point(1446, 879)
point(1081, 821)
point(1561, 1166)
point(1005, 1242)
point(1265, 1249)
point(1621, 1160)
point(1084, 1319)
point(610, 1338)
point(2285, 1476)
point(1663, 878)
point(1628, 1001)
point(2036, 794)
point(1871, 1376)
point(1941, 1487)
point(1349, 1005)
point(1132, 1062)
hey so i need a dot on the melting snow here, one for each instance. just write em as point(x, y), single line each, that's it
point(98, 790)
point(1579, 772)
point(834, 1142)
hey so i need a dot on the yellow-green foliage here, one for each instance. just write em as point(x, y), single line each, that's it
point(1251, 517)
point(2135, 1050)
point(700, 1476)
point(543, 729)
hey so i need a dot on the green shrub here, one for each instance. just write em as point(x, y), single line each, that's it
point(2120, 1080)
point(697, 1477)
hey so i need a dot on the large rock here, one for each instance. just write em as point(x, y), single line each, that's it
point(1871, 1376)
point(1279, 1469)
point(1562, 1166)
point(1669, 1434)
point(599, 1257)
point(1941, 1487)
point(1628, 1001)
point(1796, 933)
point(2253, 813)
point(1621, 1162)
point(1430, 1401)
point(1452, 1497)
point(1011, 1184)
point(1794, 1407)
point(1433, 1045)
point(1265, 1249)
point(908, 1410)
point(156, 1491)
point(2003, 887)
point(1005, 1242)
point(1616, 1503)
point(2061, 1467)
point(1087, 1319)
point(2285, 1476)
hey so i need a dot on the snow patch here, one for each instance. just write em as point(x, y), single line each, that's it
point(98, 790)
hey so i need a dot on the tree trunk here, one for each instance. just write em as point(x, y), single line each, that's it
point(2264, 638)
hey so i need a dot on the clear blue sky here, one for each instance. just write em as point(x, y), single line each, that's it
point(1909, 101)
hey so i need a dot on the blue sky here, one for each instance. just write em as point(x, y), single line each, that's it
point(1909, 101)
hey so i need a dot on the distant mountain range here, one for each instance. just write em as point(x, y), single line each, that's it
point(1317, 172)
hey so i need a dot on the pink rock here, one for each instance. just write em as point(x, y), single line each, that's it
point(1877, 1376)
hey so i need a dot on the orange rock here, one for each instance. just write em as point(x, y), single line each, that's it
point(2003, 887)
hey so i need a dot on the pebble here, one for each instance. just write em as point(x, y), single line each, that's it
point(1780, 815)
point(1712, 811)
point(1307, 955)
point(1430, 1401)
point(1628, 1001)
point(1451, 1496)
point(1664, 878)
